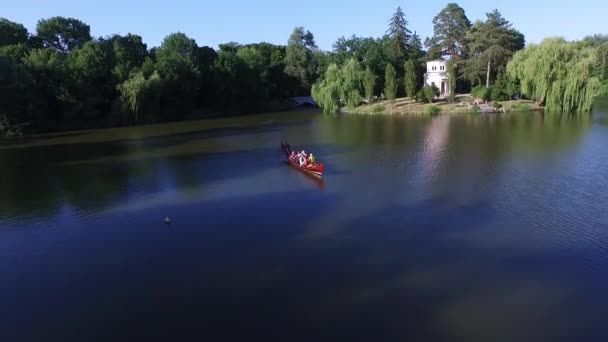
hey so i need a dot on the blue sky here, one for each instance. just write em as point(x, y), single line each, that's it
point(215, 22)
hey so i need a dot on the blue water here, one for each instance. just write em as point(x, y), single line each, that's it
point(461, 228)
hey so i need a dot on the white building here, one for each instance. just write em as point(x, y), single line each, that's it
point(437, 74)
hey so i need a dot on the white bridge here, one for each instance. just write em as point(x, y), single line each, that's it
point(302, 100)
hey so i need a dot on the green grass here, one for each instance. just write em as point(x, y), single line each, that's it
point(520, 107)
point(433, 110)
point(378, 109)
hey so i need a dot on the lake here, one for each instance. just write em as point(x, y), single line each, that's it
point(446, 228)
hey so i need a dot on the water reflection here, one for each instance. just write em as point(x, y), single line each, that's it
point(427, 228)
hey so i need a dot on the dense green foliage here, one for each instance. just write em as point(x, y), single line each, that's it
point(411, 83)
point(433, 110)
point(399, 36)
point(60, 77)
point(299, 59)
point(491, 44)
point(453, 74)
point(428, 93)
point(559, 74)
point(340, 86)
point(390, 86)
point(450, 28)
point(369, 83)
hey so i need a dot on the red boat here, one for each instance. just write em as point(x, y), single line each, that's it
point(315, 169)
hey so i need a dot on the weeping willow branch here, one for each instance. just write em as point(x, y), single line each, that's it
point(558, 74)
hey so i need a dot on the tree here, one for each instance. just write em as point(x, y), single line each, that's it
point(50, 84)
point(429, 93)
point(140, 94)
point(399, 35)
point(351, 85)
point(91, 80)
point(453, 74)
point(14, 52)
point(327, 92)
point(390, 87)
point(450, 29)
point(176, 63)
point(63, 34)
point(369, 83)
point(299, 57)
point(416, 52)
point(130, 52)
point(339, 86)
point(558, 74)
point(411, 81)
point(492, 43)
point(12, 33)
point(15, 93)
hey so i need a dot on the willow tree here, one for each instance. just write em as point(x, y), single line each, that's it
point(140, 94)
point(339, 86)
point(390, 85)
point(558, 74)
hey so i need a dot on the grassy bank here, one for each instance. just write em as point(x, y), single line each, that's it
point(405, 106)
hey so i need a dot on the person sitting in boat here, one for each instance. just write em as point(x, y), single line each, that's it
point(311, 159)
point(292, 155)
point(302, 158)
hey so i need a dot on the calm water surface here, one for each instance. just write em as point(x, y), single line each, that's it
point(462, 228)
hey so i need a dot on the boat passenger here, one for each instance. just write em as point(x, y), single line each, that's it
point(311, 159)
point(302, 159)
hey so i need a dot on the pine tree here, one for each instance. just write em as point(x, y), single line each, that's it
point(450, 29)
point(400, 37)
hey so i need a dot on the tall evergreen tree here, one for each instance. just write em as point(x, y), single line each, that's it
point(416, 52)
point(492, 43)
point(399, 35)
point(450, 29)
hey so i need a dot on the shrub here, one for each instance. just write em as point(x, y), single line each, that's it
point(433, 110)
point(482, 93)
point(428, 93)
point(9, 129)
point(496, 105)
point(475, 110)
point(499, 94)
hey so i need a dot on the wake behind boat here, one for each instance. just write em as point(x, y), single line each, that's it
point(302, 161)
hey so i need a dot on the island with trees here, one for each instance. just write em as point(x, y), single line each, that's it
point(60, 77)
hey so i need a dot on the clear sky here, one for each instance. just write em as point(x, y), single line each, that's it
point(248, 21)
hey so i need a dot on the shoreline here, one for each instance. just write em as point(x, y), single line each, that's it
point(403, 106)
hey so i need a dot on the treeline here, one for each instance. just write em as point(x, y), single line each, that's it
point(564, 76)
point(60, 76)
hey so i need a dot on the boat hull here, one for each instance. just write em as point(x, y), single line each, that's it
point(315, 170)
